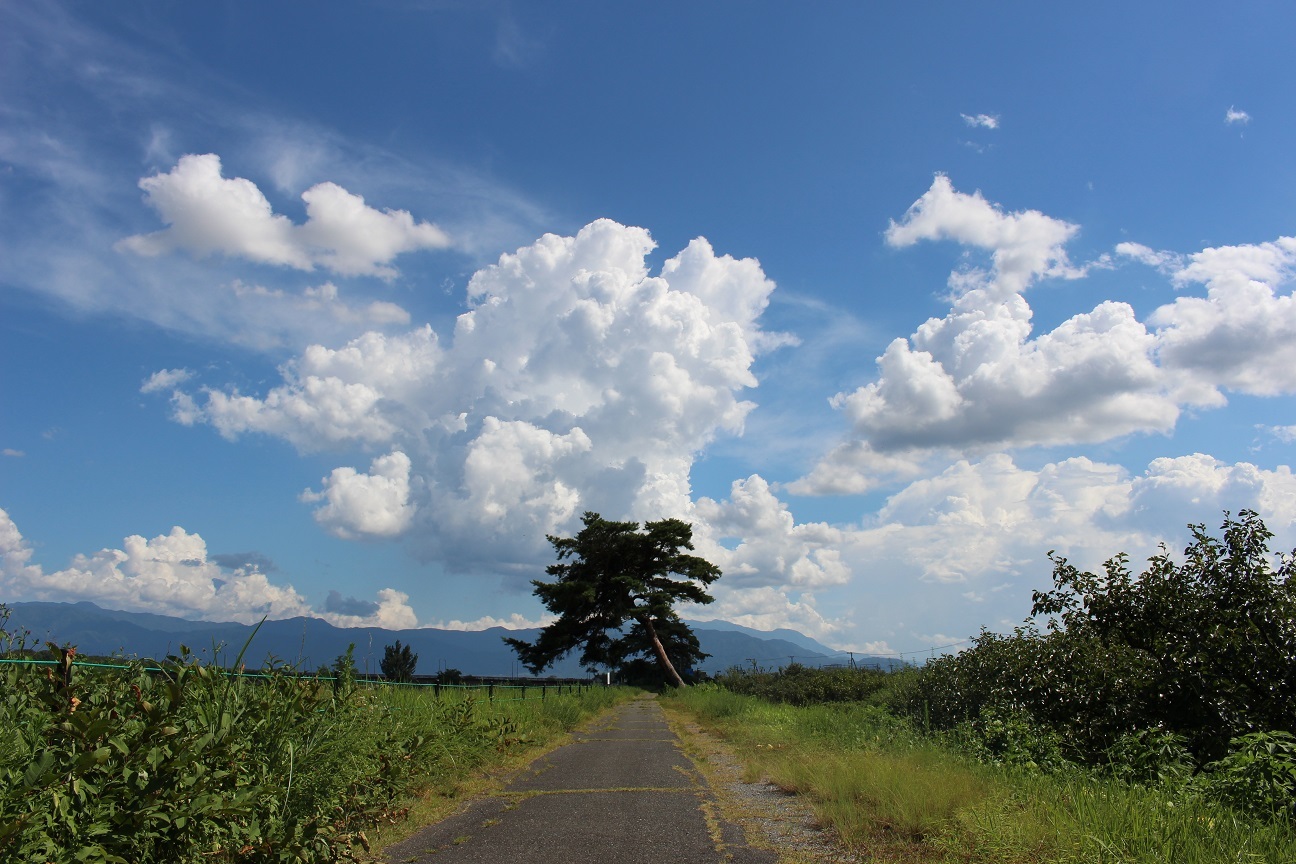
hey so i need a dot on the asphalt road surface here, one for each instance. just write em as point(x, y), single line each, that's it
point(622, 793)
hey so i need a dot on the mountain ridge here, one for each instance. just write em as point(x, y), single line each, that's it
point(312, 643)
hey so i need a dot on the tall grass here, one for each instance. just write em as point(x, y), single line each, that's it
point(188, 764)
point(903, 796)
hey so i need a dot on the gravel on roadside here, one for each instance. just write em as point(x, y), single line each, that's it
point(771, 818)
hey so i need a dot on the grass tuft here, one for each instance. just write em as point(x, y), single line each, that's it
point(897, 795)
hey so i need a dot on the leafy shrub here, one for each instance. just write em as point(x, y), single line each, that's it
point(399, 662)
point(181, 762)
point(1257, 777)
point(1150, 757)
point(1205, 650)
point(1086, 693)
point(1217, 633)
point(1005, 738)
point(801, 685)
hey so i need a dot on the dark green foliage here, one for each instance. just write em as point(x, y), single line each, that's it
point(1204, 650)
point(1150, 757)
point(398, 662)
point(612, 574)
point(128, 766)
point(801, 685)
point(1007, 738)
point(343, 672)
point(448, 676)
point(1216, 635)
point(1090, 693)
point(1258, 776)
point(1182, 677)
point(634, 656)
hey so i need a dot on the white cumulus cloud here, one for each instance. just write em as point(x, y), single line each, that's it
point(771, 549)
point(941, 548)
point(576, 380)
point(1166, 262)
point(1236, 116)
point(357, 505)
point(767, 608)
point(1239, 336)
point(980, 378)
point(1023, 245)
point(207, 213)
point(516, 621)
point(1285, 434)
point(391, 612)
point(165, 379)
point(171, 574)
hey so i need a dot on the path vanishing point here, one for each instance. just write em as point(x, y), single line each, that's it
point(622, 793)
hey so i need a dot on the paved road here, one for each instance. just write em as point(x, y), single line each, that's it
point(622, 793)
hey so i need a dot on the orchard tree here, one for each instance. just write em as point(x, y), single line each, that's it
point(612, 574)
point(1218, 631)
point(398, 662)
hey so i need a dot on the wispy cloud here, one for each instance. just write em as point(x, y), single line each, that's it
point(83, 162)
point(1236, 115)
point(983, 121)
point(1285, 434)
point(165, 379)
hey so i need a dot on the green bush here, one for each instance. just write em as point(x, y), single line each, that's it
point(1150, 757)
point(795, 684)
point(1087, 693)
point(1204, 650)
point(1215, 634)
point(180, 762)
point(1257, 777)
point(399, 662)
point(1005, 738)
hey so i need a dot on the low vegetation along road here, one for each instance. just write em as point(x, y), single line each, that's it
point(622, 792)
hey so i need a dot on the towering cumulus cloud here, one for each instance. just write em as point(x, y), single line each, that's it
point(577, 380)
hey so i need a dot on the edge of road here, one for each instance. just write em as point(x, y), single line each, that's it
point(772, 819)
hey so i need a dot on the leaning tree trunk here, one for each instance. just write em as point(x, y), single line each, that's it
point(646, 621)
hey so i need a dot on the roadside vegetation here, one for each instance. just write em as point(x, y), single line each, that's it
point(184, 762)
point(898, 794)
point(1152, 719)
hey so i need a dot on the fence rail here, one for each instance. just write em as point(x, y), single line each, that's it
point(495, 691)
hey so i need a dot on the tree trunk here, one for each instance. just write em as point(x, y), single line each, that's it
point(665, 662)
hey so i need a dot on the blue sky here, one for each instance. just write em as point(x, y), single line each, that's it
point(339, 314)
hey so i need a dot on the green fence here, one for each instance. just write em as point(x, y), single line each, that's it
point(494, 691)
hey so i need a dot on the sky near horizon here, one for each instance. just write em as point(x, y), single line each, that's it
point(340, 313)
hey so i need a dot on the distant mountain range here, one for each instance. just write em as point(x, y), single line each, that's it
point(310, 643)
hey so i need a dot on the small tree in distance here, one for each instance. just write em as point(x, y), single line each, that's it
point(398, 662)
point(611, 574)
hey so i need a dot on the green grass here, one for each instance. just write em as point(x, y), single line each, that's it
point(192, 764)
point(902, 796)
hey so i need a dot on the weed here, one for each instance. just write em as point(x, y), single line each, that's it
point(182, 762)
point(904, 796)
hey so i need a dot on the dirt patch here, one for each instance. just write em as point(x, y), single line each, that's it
point(771, 818)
